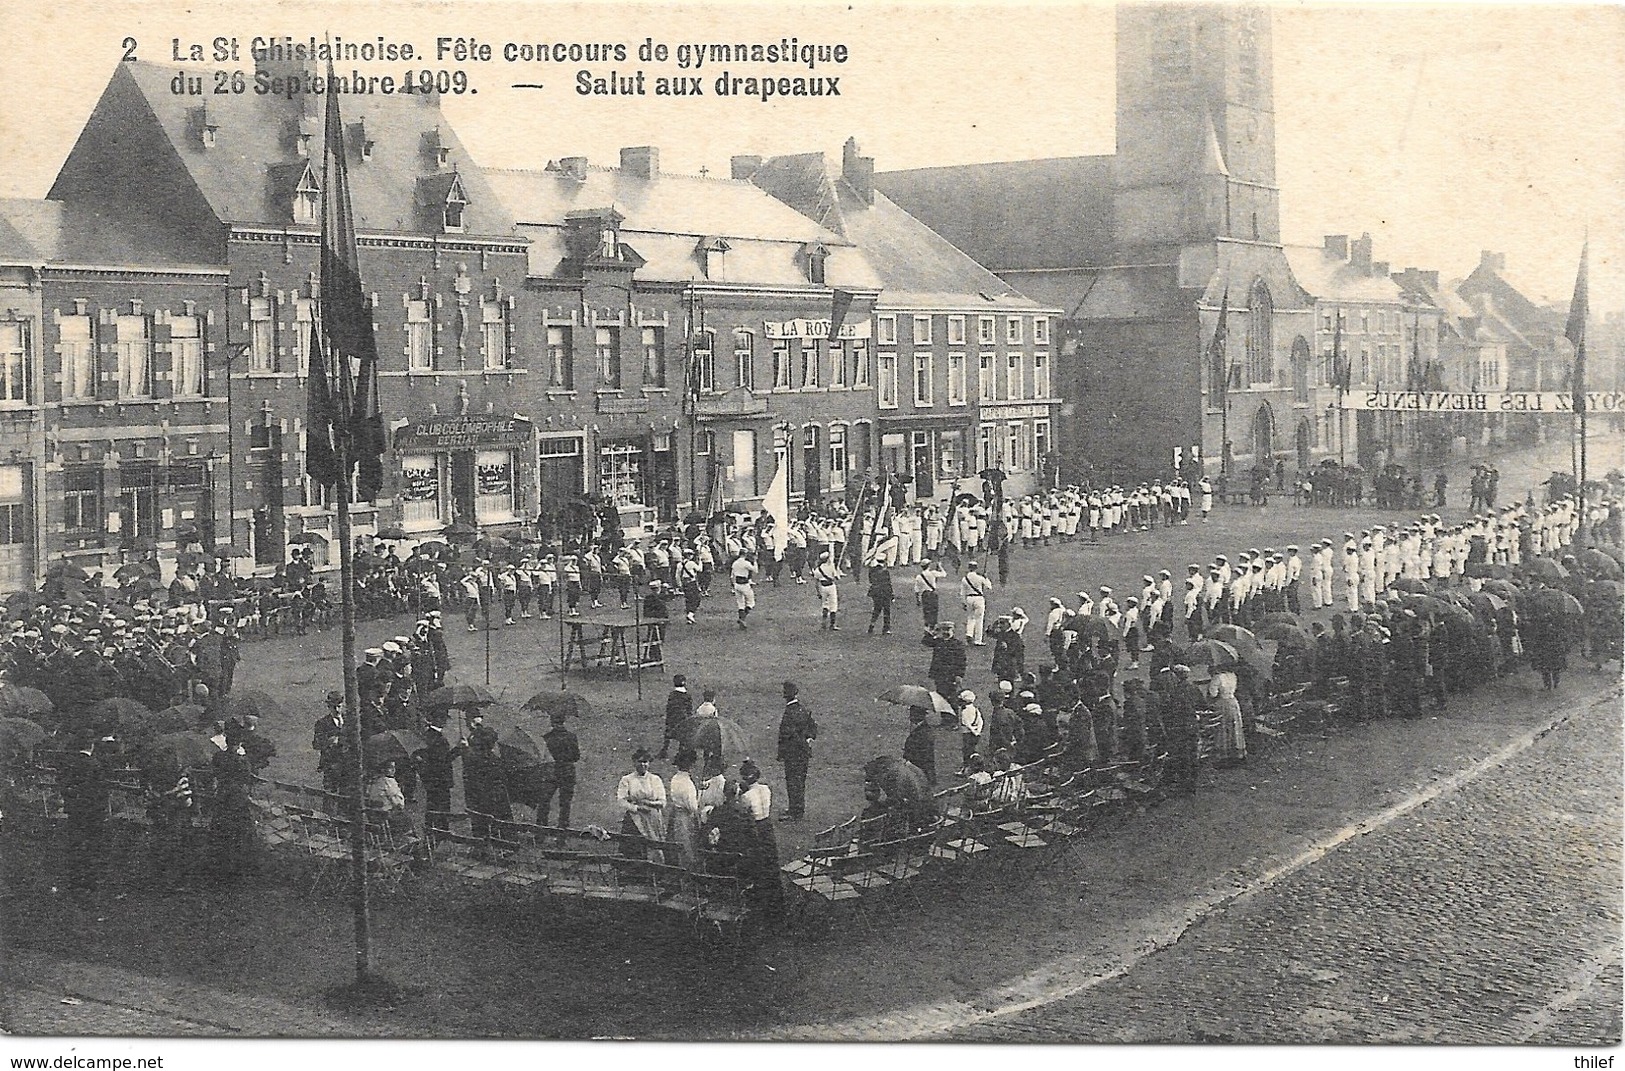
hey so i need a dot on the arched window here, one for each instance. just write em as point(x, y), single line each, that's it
point(1260, 336)
point(1300, 369)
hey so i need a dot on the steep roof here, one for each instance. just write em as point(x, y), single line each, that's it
point(917, 266)
point(1525, 317)
point(255, 142)
point(667, 217)
point(51, 232)
point(1328, 277)
point(1022, 214)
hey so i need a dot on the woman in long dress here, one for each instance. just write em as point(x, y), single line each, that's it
point(683, 811)
point(1232, 733)
point(642, 799)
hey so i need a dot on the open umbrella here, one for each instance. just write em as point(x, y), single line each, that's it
point(1486, 603)
point(390, 534)
point(1210, 653)
point(1556, 603)
point(912, 695)
point(1236, 636)
point(460, 696)
point(179, 717)
point(1426, 604)
point(1092, 628)
point(461, 530)
point(18, 739)
point(24, 702)
point(1412, 585)
point(430, 546)
point(572, 704)
point(124, 718)
point(310, 537)
point(66, 569)
point(1279, 617)
point(1292, 636)
point(391, 745)
point(1599, 563)
point(719, 736)
point(130, 572)
point(241, 703)
point(523, 746)
point(1487, 569)
point(177, 751)
point(20, 603)
point(1613, 550)
point(1545, 568)
point(898, 778)
point(1603, 592)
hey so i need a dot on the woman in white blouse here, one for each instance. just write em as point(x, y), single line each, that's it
point(683, 811)
point(642, 798)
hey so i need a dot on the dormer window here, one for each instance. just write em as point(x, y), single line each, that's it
point(307, 198)
point(609, 241)
point(358, 137)
point(206, 127)
point(713, 257)
point(452, 216)
point(814, 254)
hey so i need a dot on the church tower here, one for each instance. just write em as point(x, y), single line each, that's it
point(1195, 129)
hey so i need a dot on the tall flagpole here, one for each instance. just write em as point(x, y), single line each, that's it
point(361, 901)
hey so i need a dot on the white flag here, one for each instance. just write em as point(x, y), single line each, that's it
point(777, 505)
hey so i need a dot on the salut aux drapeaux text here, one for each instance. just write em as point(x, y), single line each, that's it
point(615, 83)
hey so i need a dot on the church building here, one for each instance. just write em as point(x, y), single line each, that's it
point(1146, 249)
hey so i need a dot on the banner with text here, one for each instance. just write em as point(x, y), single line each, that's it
point(1516, 401)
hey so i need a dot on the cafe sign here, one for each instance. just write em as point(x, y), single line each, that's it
point(451, 433)
point(814, 329)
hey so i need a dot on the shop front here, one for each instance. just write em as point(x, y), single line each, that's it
point(638, 475)
point(930, 454)
point(479, 470)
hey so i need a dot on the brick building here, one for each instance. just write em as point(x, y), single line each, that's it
point(232, 183)
point(647, 283)
point(114, 379)
point(963, 362)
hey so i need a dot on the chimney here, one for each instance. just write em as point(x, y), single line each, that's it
point(858, 171)
point(1337, 245)
point(575, 167)
point(741, 168)
point(642, 161)
point(1379, 269)
point(1495, 262)
point(1431, 278)
point(1360, 253)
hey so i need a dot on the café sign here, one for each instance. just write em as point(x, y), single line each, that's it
point(450, 433)
point(814, 329)
point(1516, 401)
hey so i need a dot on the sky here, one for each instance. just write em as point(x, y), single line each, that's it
point(1442, 130)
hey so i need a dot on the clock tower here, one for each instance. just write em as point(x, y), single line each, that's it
point(1195, 128)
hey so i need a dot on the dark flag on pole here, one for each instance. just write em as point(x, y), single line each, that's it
point(348, 355)
point(1219, 370)
point(1575, 332)
point(1340, 364)
point(321, 414)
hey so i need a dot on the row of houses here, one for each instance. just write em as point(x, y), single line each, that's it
point(583, 328)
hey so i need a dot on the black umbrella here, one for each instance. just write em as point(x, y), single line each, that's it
point(390, 534)
point(309, 537)
point(240, 704)
point(523, 746)
point(391, 745)
point(460, 696)
point(573, 704)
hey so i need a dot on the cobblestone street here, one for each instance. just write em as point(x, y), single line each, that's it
point(1488, 915)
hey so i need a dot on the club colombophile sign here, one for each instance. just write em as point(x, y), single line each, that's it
point(1514, 401)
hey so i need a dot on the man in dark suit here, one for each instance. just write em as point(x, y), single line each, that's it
point(566, 752)
point(920, 747)
point(679, 708)
point(947, 663)
point(434, 769)
point(797, 730)
point(84, 798)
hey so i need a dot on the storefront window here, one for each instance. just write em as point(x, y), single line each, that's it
point(950, 454)
point(493, 486)
point(744, 464)
point(420, 491)
point(620, 473)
